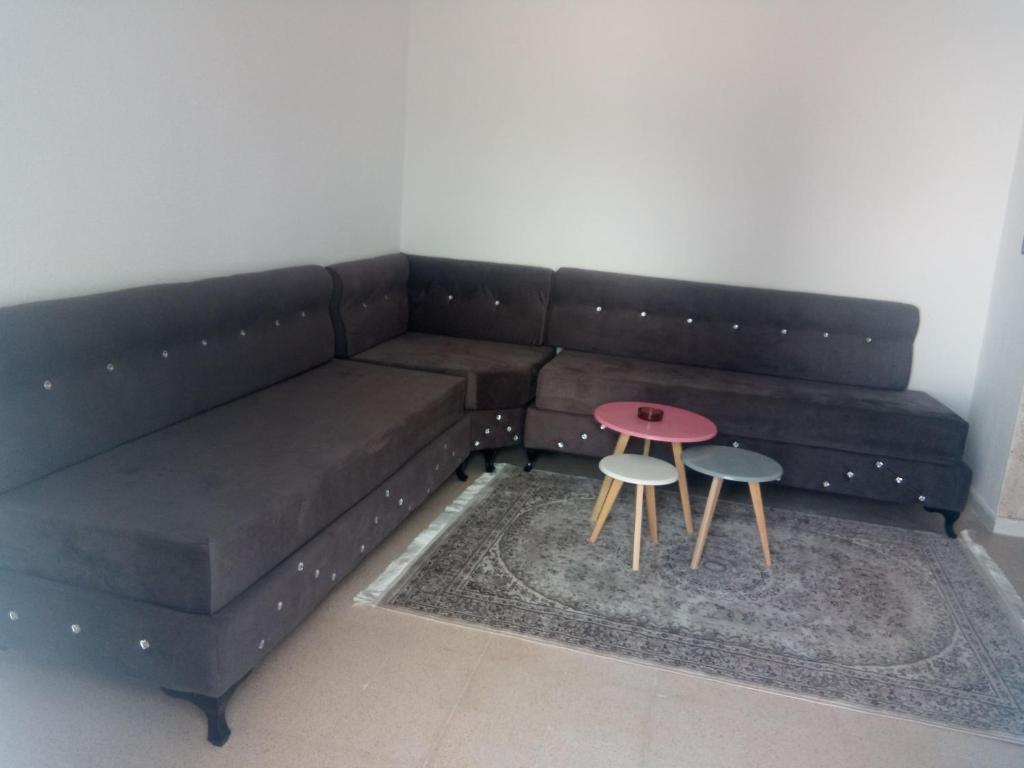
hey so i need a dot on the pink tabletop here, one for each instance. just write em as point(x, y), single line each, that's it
point(677, 426)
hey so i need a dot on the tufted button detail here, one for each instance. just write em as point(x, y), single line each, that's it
point(76, 629)
point(643, 314)
point(689, 321)
point(498, 417)
point(784, 331)
point(277, 323)
point(825, 484)
point(376, 519)
point(302, 313)
point(334, 576)
point(603, 427)
point(164, 354)
point(316, 574)
point(280, 605)
point(437, 467)
point(735, 326)
point(12, 615)
point(561, 444)
point(825, 335)
point(401, 502)
point(583, 436)
point(868, 340)
point(899, 480)
point(597, 308)
point(144, 644)
point(110, 367)
point(204, 342)
point(508, 428)
point(387, 296)
point(364, 305)
point(487, 431)
point(879, 464)
point(362, 547)
point(450, 297)
point(242, 332)
point(476, 443)
point(387, 493)
point(47, 385)
point(497, 303)
point(922, 498)
point(262, 645)
point(735, 443)
point(302, 566)
point(849, 474)
point(515, 438)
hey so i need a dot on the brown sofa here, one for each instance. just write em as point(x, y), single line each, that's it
point(483, 322)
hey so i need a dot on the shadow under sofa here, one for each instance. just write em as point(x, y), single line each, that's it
point(187, 472)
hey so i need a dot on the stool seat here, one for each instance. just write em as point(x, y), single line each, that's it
point(639, 470)
point(736, 464)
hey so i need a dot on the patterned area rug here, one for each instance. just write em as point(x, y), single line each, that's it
point(903, 622)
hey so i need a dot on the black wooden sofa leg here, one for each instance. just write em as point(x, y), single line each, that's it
point(531, 457)
point(215, 709)
point(460, 471)
point(950, 520)
point(489, 460)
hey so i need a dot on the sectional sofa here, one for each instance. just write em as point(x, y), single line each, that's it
point(187, 470)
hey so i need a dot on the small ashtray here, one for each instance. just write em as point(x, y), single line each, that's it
point(647, 413)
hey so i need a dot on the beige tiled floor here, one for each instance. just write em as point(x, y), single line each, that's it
point(360, 686)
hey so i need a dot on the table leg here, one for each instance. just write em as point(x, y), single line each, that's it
point(609, 502)
point(684, 490)
point(620, 447)
point(637, 526)
point(705, 523)
point(652, 514)
point(762, 526)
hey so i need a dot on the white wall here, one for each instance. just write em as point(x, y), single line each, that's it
point(853, 148)
point(169, 140)
point(997, 393)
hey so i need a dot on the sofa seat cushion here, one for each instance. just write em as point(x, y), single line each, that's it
point(192, 515)
point(498, 375)
point(906, 424)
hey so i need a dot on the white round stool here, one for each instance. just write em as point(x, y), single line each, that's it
point(644, 472)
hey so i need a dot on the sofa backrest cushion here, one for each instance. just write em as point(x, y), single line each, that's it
point(370, 303)
point(478, 299)
point(83, 375)
point(782, 333)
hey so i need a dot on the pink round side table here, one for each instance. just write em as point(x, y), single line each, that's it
point(677, 426)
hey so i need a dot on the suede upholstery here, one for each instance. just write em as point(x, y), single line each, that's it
point(906, 424)
point(827, 338)
point(478, 300)
point(208, 653)
point(901, 480)
point(81, 376)
point(370, 302)
point(497, 375)
point(191, 516)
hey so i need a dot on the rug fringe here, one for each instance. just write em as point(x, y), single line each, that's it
point(382, 585)
point(1001, 586)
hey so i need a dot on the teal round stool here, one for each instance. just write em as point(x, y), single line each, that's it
point(723, 463)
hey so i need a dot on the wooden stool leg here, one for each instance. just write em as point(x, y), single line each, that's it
point(684, 490)
point(609, 502)
point(705, 523)
point(652, 514)
point(762, 526)
point(620, 447)
point(647, 447)
point(637, 526)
